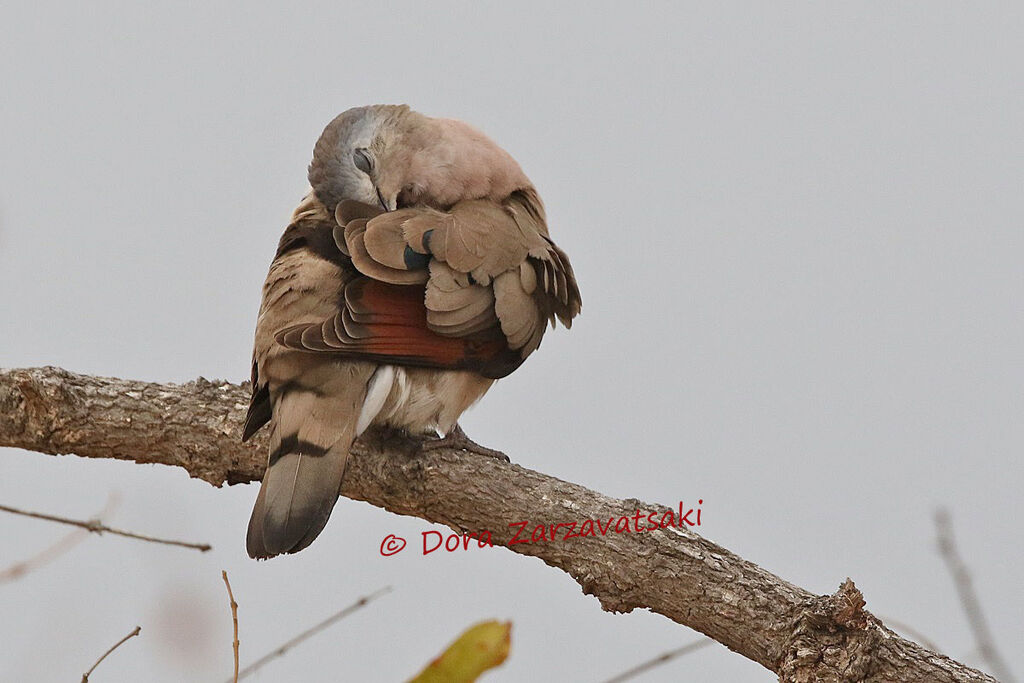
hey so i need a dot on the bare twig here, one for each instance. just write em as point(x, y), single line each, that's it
point(985, 644)
point(65, 544)
point(85, 676)
point(19, 569)
point(234, 620)
point(660, 659)
point(95, 526)
point(361, 602)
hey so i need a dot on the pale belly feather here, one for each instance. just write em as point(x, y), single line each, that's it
point(420, 400)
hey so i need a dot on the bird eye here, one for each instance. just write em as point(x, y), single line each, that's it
point(362, 160)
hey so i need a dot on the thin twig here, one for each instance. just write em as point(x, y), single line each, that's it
point(95, 526)
point(234, 619)
point(85, 676)
point(361, 602)
point(65, 544)
point(660, 659)
point(986, 646)
point(19, 569)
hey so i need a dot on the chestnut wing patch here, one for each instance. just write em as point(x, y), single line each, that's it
point(484, 263)
point(387, 323)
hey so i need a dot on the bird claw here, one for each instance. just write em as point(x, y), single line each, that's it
point(456, 439)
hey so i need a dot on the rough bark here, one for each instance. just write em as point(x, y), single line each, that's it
point(674, 572)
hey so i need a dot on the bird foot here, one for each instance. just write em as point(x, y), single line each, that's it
point(456, 439)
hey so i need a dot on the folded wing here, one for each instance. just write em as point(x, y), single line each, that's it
point(468, 288)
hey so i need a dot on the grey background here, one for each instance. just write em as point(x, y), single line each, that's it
point(798, 235)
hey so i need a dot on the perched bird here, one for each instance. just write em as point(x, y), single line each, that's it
point(416, 272)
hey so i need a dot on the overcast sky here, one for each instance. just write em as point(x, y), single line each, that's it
point(798, 233)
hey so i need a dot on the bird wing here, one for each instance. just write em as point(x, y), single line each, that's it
point(302, 285)
point(467, 288)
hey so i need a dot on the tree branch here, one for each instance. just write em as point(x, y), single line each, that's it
point(674, 572)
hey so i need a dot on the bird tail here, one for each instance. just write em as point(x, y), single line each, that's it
point(311, 435)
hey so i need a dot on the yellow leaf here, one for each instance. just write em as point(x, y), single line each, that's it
point(481, 647)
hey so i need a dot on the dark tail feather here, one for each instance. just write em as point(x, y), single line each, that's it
point(254, 536)
point(295, 501)
point(311, 432)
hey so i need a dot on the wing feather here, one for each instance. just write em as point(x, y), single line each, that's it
point(469, 287)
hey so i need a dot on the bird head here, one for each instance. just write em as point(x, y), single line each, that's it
point(395, 157)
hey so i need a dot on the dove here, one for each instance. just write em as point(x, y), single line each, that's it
point(416, 272)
